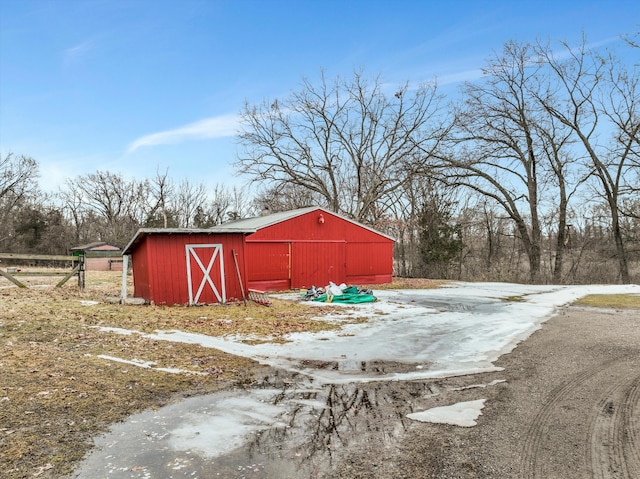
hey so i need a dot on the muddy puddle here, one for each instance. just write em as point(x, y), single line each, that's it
point(478, 305)
point(350, 365)
point(284, 426)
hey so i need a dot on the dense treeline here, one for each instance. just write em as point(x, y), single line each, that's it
point(103, 206)
point(532, 173)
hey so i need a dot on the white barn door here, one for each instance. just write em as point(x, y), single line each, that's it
point(200, 276)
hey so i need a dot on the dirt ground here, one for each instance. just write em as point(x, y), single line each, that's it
point(570, 408)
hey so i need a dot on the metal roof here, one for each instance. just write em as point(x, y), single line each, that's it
point(260, 222)
point(94, 244)
point(142, 232)
point(244, 226)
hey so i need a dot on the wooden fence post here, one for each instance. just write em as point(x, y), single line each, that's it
point(81, 270)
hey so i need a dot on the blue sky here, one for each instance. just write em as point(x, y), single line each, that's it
point(133, 86)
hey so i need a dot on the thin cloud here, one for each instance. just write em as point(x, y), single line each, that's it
point(442, 80)
point(78, 52)
point(459, 77)
point(476, 74)
point(568, 51)
point(214, 127)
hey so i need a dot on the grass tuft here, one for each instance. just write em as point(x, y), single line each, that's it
point(623, 301)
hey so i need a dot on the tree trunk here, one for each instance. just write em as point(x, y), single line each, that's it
point(620, 249)
point(561, 241)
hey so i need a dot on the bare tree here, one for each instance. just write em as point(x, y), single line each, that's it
point(72, 205)
point(112, 207)
point(18, 175)
point(197, 206)
point(506, 145)
point(230, 203)
point(596, 96)
point(406, 214)
point(633, 39)
point(402, 208)
point(188, 200)
point(346, 141)
point(18, 182)
point(162, 190)
point(565, 176)
point(284, 197)
point(40, 227)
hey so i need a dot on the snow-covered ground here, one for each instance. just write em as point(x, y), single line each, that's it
point(409, 335)
point(460, 329)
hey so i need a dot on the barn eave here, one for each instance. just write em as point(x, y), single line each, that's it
point(143, 232)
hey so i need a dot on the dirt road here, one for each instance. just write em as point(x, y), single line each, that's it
point(570, 408)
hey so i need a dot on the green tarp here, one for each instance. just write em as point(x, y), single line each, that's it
point(349, 295)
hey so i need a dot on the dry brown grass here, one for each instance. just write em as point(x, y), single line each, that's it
point(56, 393)
point(411, 283)
point(624, 301)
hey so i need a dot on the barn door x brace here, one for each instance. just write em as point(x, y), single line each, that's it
point(192, 253)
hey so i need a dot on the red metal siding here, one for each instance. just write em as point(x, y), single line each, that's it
point(160, 267)
point(141, 272)
point(369, 263)
point(333, 249)
point(103, 264)
point(269, 265)
point(315, 263)
point(307, 227)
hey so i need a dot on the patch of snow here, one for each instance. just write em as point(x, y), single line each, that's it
point(134, 362)
point(463, 414)
point(147, 365)
point(458, 330)
point(225, 425)
point(473, 386)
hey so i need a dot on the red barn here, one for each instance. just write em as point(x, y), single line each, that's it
point(312, 246)
point(100, 256)
point(188, 266)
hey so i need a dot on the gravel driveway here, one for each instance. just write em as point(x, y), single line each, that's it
point(570, 408)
